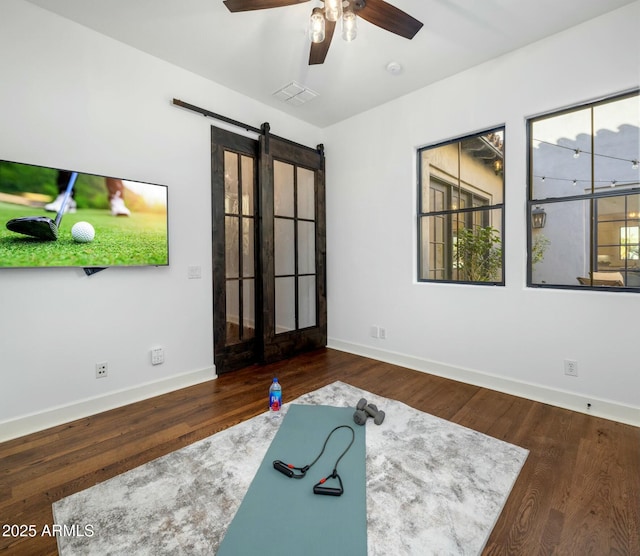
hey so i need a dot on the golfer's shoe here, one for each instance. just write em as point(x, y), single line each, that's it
point(118, 208)
point(54, 206)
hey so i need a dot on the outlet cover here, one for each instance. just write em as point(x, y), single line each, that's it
point(102, 369)
point(157, 356)
point(570, 367)
point(194, 272)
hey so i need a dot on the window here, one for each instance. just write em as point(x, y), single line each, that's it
point(584, 196)
point(461, 210)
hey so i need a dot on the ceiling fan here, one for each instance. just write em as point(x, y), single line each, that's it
point(323, 20)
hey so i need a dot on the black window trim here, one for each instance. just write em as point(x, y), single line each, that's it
point(449, 212)
point(593, 196)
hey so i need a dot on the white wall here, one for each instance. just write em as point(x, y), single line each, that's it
point(510, 338)
point(75, 99)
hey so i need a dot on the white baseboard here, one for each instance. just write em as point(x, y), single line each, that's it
point(35, 422)
point(559, 398)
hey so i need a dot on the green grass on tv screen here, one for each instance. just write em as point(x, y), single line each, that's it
point(137, 240)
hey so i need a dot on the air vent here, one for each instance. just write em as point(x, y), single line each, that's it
point(295, 94)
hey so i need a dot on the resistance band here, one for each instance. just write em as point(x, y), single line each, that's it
point(289, 469)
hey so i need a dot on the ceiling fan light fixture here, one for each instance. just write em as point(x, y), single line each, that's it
point(316, 26)
point(333, 9)
point(349, 26)
point(380, 13)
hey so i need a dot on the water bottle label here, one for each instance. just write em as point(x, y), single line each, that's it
point(275, 401)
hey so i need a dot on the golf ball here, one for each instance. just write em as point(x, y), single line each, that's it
point(83, 232)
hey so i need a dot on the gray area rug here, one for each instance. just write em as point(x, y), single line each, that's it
point(433, 487)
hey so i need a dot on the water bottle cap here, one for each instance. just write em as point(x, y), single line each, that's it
point(275, 380)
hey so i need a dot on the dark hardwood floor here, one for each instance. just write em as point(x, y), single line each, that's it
point(578, 493)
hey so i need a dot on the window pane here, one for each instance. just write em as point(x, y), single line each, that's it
point(560, 250)
point(306, 247)
point(560, 159)
point(247, 185)
point(231, 255)
point(230, 182)
point(307, 301)
point(233, 311)
point(306, 194)
point(423, 262)
point(616, 142)
point(283, 189)
point(285, 305)
point(284, 246)
point(248, 309)
point(470, 253)
point(248, 253)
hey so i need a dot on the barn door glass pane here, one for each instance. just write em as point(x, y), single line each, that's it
point(284, 243)
point(239, 247)
point(294, 247)
point(232, 259)
point(230, 183)
point(248, 309)
point(283, 189)
point(306, 194)
point(247, 182)
point(285, 305)
point(306, 247)
point(233, 311)
point(307, 301)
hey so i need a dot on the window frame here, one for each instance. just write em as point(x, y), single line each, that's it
point(595, 194)
point(467, 213)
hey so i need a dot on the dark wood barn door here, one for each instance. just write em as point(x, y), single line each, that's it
point(268, 215)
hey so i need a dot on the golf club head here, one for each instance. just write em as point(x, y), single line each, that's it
point(35, 226)
point(41, 226)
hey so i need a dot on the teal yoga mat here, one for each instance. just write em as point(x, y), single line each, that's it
point(282, 516)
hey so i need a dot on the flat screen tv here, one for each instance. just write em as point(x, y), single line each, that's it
point(51, 217)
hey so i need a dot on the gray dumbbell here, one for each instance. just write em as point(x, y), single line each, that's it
point(364, 411)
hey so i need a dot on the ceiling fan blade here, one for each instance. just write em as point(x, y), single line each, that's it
point(319, 50)
point(248, 5)
point(389, 17)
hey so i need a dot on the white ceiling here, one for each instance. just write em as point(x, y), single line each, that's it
point(256, 53)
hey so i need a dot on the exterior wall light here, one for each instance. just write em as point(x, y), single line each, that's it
point(538, 217)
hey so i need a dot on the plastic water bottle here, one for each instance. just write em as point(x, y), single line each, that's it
point(275, 396)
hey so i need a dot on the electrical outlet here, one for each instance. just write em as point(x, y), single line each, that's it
point(102, 369)
point(157, 356)
point(383, 333)
point(570, 367)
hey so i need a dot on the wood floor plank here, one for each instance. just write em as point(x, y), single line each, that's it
point(578, 492)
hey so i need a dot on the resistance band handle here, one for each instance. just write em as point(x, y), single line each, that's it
point(289, 470)
point(329, 491)
point(319, 487)
point(286, 470)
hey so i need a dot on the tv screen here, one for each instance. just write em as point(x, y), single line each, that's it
point(51, 217)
